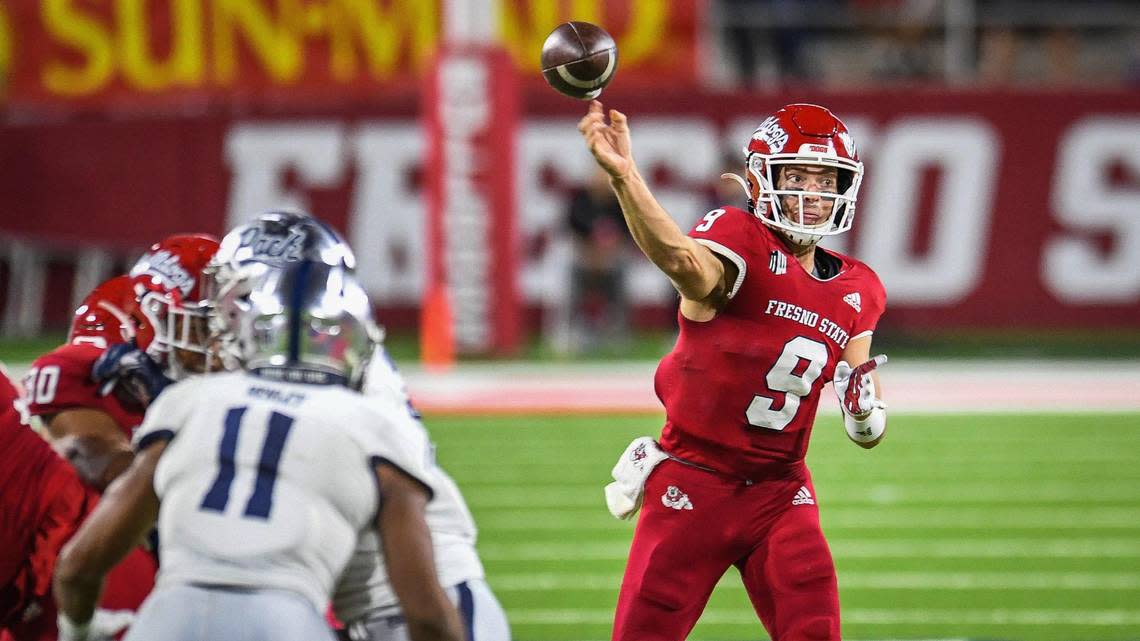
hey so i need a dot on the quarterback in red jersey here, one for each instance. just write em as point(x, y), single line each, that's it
point(766, 319)
point(43, 502)
point(155, 308)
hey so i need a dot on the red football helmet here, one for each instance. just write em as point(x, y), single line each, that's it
point(109, 315)
point(810, 136)
point(170, 284)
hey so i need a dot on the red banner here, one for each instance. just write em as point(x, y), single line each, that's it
point(979, 209)
point(187, 54)
point(471, 115)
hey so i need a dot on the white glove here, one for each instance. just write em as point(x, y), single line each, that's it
point(102, 627)
point(856, 388)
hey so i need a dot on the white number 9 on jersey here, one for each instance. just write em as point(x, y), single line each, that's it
point(709, 219)
point(794, 372)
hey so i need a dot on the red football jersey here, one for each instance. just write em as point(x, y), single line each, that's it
point(32, 478)
point(61, 379)
point(42, 504)
point(741, 390)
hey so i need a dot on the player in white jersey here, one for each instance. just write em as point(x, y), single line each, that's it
point(261, 481)
point(364, 598)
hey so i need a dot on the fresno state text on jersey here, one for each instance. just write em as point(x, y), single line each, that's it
point(741, 390)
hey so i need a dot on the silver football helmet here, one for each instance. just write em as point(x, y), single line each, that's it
point(251, 253)
point(277, 238)
point(302, 322)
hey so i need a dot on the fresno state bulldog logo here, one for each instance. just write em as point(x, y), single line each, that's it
point(638, 455)
point(676, 499)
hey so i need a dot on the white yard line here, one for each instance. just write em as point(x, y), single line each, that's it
point(1094, 548)
point(850, 579)
point(540, 517)
point(1097, 492)
point(597, 616)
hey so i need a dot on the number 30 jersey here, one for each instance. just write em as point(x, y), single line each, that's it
point(741, 390)
point(61, 380)
point(267, 484)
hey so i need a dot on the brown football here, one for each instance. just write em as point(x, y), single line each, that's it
point(579, 59)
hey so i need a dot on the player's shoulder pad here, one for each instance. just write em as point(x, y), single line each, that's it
point(385, 427)
point(724, 220)
point(70, 359)
point(166, 416)
point(862, 276)
point(728, 228)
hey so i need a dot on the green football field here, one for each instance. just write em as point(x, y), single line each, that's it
point(985, 527)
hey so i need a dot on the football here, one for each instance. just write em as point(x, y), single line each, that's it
point(579, 59)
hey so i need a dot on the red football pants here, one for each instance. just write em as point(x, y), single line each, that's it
point(695, 524)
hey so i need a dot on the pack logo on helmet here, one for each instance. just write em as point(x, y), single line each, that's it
point(167, 266)
point(272, 248)
point(772, 134)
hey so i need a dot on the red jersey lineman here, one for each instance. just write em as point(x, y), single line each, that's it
point(61, 391)
point(766, 319)
point(44, 502)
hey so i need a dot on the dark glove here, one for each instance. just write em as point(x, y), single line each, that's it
point(130, 373)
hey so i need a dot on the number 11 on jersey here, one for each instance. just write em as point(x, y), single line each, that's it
point(261, 501)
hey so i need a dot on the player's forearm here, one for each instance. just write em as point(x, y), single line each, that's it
point(660, 238)
point(77, 594)
point(126, 512)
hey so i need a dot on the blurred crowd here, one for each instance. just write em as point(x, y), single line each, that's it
point(959, 42)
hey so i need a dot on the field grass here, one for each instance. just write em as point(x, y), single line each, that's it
point(1021, 527)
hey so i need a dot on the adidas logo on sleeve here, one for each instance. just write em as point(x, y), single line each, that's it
point(803, 497)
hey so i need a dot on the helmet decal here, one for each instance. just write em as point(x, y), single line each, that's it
point(166, 267)
point(772, 134)
point(848, 143)
point(262, 245)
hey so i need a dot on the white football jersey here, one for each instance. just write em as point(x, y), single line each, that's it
point(364, 586)
point(267, 484)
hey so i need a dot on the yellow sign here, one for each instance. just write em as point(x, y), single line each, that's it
point(83, 50)
point(5, 51)
point(204, 41)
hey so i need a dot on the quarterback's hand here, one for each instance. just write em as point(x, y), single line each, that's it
point(128, 370)
point(102, 627)
point(856, 388)
point(609, 143)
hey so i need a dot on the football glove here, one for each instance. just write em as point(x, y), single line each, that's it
point(856, 389)
point(102, 627)
point(127, 370)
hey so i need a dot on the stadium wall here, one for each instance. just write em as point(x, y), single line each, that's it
point(987, 209)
